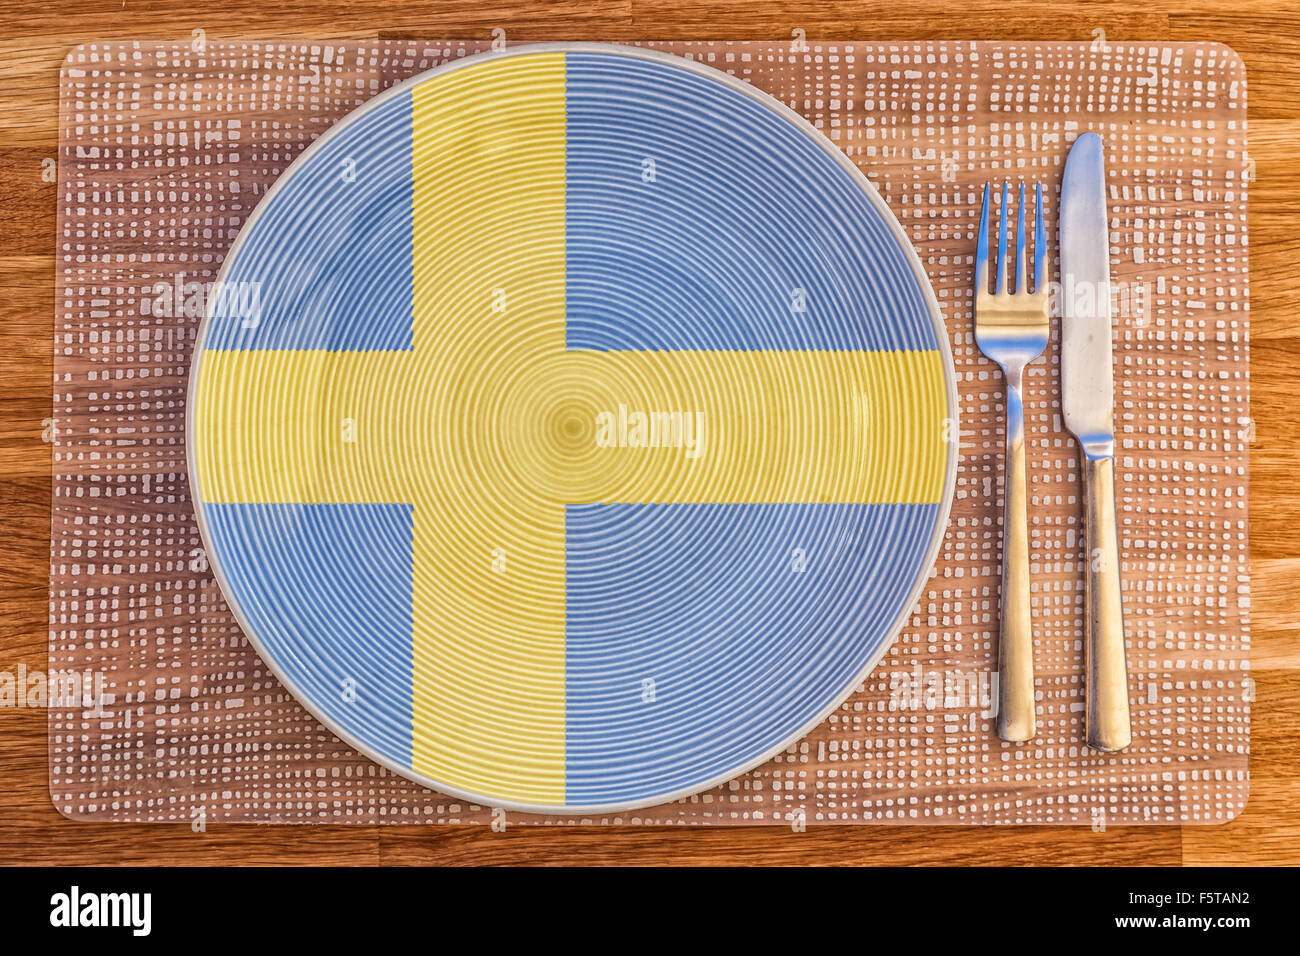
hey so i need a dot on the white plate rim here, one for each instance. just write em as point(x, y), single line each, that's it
point(941, 333)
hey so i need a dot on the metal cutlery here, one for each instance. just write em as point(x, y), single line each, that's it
point(1011, 329)
point(1087, 401)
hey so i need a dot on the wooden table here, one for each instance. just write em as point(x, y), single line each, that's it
point(33, 41)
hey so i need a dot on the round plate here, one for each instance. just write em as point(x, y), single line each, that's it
point(569, 429)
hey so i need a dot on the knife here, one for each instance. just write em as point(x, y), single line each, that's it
point(1088, 402)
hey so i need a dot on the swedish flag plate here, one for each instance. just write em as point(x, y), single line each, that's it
point(569, 428)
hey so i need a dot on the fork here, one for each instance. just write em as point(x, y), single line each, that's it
point(1011, 329)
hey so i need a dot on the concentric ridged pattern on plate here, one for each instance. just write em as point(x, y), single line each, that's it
point(590, 435)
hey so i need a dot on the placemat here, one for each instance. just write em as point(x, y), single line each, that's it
point(161, 711)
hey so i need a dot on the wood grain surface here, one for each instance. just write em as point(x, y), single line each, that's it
point(33, 41)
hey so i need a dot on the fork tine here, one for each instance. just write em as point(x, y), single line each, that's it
point(1001, 275)
point(1021, 278)
point(982, 248)
point(1040, 243)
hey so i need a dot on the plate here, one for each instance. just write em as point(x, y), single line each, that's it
point(571, 428)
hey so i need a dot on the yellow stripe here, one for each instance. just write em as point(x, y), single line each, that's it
point(304, 427)
point(310, 426)
point(488, 227)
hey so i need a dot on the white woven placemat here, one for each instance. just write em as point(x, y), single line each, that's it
point(165, 150)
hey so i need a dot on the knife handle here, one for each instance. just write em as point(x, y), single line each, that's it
point(1016, 718)
point(1108, 725)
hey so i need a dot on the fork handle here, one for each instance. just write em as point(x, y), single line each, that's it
point(1016, 718)
point(1108, 726)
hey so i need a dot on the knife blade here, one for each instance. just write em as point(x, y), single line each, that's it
point(1087, 384)
point(1088, 407)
